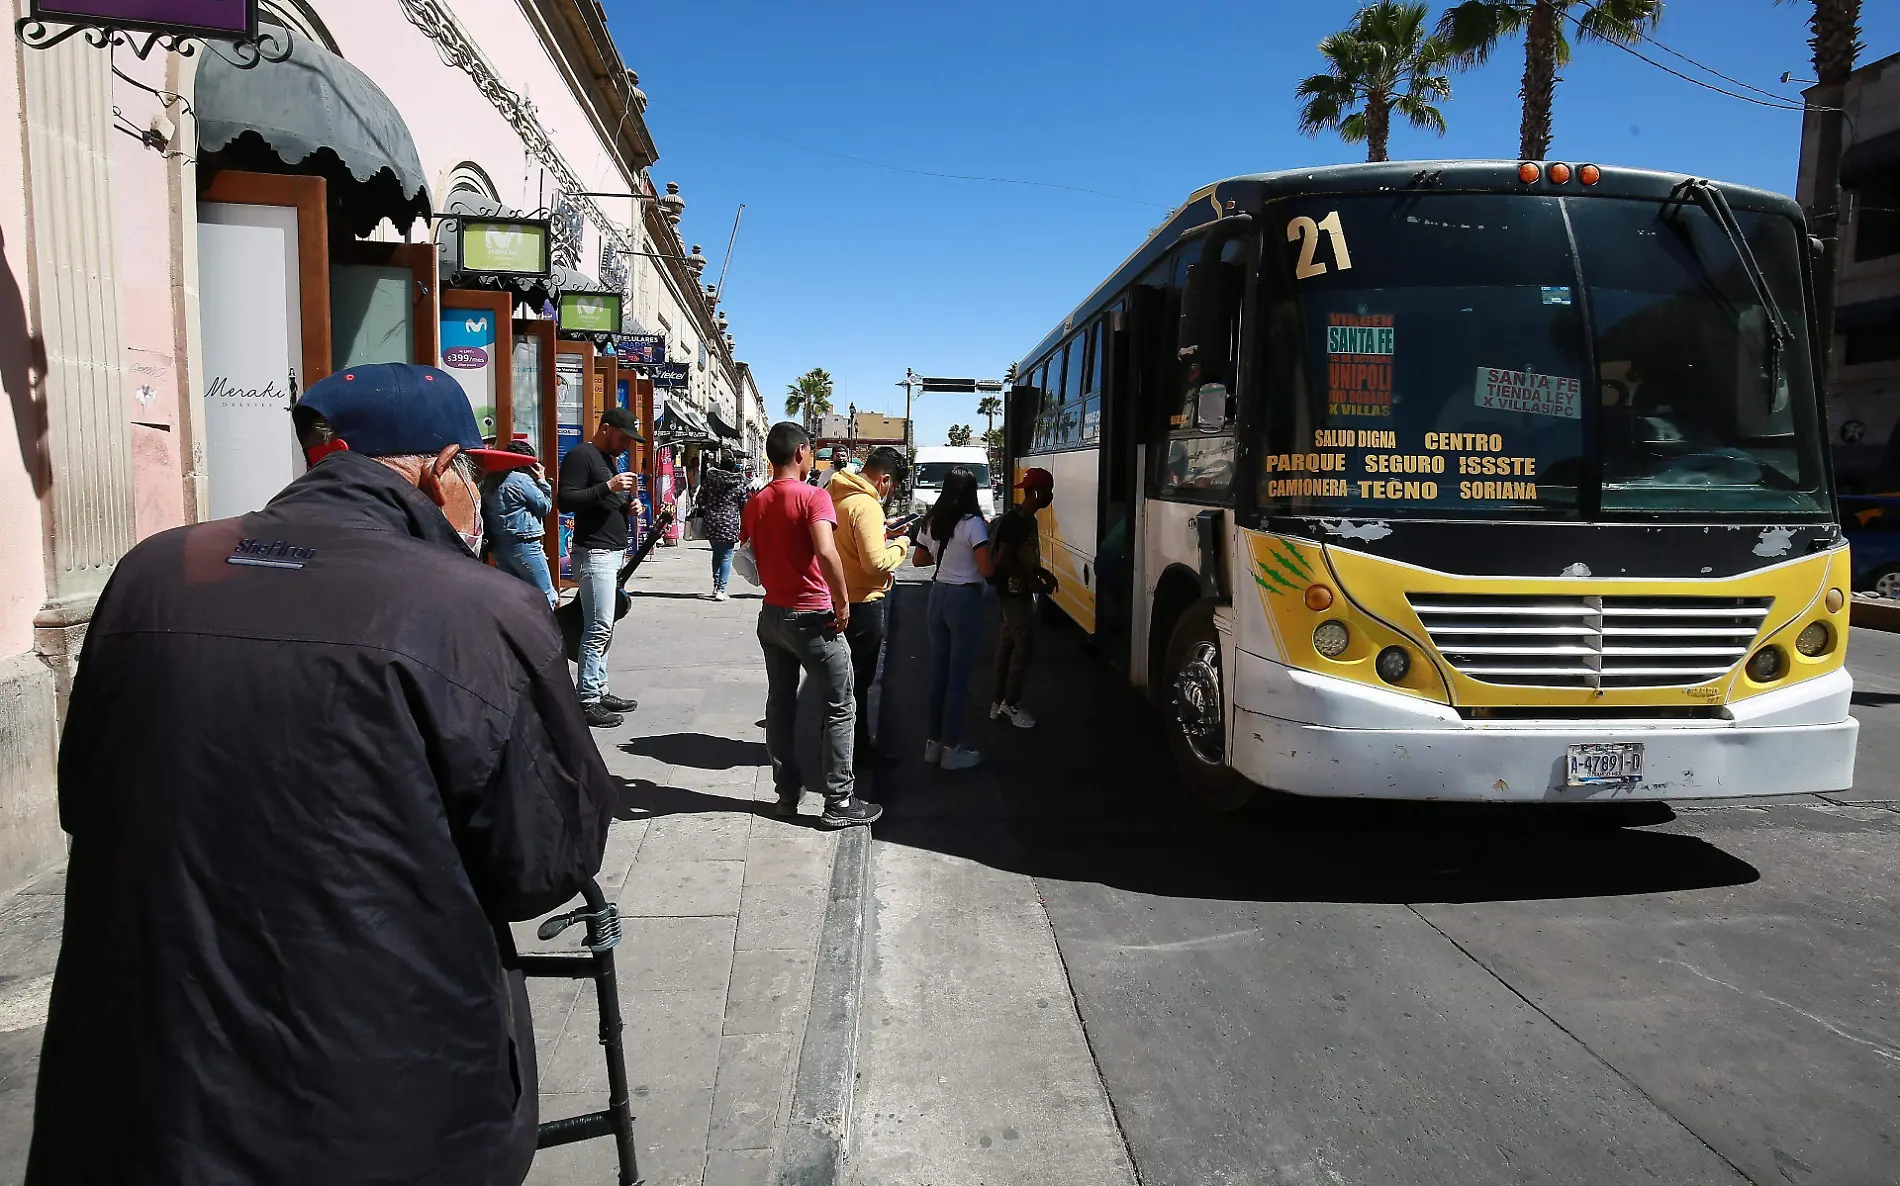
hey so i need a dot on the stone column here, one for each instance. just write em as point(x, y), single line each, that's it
point(74, 308)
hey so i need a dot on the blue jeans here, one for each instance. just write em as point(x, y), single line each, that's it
point(956, 627)
point(797, 643)
point(525, 558)
point(596, 571)
point(722, 561)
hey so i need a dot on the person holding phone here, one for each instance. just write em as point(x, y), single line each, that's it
point(791, 527)
point(872, 551)
point(599, 499)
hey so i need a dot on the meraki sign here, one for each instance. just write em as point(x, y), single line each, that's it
point(589, 312)
point(505, 246)
point(202, 18)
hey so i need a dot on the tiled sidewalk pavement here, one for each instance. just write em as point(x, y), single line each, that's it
point(721, 904)
point(722, 908)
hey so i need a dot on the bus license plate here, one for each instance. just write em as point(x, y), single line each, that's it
point(1613, 762)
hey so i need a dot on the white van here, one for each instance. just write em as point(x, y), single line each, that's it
point(933, 463)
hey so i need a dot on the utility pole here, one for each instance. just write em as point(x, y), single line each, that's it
point(912, 380)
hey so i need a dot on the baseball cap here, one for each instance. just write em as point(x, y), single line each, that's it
point(395, 409)
point(1036, 479)
point(624, 420)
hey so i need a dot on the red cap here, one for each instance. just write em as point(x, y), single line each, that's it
point(1036, 479)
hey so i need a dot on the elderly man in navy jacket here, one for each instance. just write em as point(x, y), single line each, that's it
point(317, 758)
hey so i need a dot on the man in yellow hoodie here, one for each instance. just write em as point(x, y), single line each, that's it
point(870, 554)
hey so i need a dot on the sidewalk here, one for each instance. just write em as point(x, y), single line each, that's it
point(720, 904)
point(722, 907)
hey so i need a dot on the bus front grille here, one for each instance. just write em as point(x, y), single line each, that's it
point(1590, 642)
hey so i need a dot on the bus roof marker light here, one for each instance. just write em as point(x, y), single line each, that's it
point(1318, 597)
point(1589, 174)
point(1529, 172)
point(1558, 173)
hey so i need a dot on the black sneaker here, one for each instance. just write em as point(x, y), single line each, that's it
point(614, 703)
point(786, 806)
point(853, 812)
point(600, 716)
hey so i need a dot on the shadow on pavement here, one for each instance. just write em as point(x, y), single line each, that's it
point(1090, 796)
point(702, 751)
point(642, 798)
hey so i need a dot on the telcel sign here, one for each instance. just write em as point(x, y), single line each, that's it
point(207, 18)
point(505, 246)
point(589, 312)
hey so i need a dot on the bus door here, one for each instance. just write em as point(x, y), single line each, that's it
point(1115, 552)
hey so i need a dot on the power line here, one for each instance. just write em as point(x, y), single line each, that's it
point(845, 156)
point(1776, 103)
point(1712, 70)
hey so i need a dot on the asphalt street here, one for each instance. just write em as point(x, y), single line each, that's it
point(1346, 993)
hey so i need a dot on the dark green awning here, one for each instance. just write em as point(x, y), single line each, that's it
point(315, 114)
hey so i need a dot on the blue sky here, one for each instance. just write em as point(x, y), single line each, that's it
point(865, 271)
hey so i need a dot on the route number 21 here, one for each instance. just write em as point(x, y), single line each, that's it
point(1306, 232)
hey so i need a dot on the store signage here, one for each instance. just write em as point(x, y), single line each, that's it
point(505, 246)
point(645, 349)
point(589, 312)
point(669, 374)
point(229, 18)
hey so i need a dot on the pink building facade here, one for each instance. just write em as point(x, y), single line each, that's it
point(115, 249)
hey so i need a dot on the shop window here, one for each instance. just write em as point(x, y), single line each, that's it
point(1877, 218)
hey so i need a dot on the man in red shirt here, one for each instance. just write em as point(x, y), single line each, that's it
point(801, 625)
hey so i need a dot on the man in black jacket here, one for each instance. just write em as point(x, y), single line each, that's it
point(316, 758)
point(599, 500)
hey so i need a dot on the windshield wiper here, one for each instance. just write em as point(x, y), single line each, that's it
point(1713, 201)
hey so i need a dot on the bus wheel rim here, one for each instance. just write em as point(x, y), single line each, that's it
point(1888, 585)
point(1197, 704)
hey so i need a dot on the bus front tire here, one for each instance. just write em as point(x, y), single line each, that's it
point(1195, 706)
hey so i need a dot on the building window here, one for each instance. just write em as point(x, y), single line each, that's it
point(1877, 218)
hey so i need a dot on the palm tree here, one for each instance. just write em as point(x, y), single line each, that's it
point(1836, 44)
point(809, 398)
point(1384, 61)
point(1473, 29)
point(959, 435)
point(990, 407)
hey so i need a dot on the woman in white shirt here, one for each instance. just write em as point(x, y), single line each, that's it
point(957, 541)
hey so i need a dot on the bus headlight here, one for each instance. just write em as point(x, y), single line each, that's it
point(1817, 639)
point(1767, 665)
point(1393, 664)
point(1330, 639)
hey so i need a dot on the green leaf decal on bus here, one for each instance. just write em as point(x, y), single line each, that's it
point(1289, 552)
point(1279, 578)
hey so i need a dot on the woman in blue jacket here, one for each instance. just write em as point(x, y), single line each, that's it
point(515, 511)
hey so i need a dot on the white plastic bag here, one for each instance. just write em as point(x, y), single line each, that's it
point(745, 565)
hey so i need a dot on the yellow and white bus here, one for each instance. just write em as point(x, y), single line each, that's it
point(1457, 480)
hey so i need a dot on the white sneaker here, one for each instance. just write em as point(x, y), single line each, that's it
point(996, 709)
point(1015, 716)
point(721, 595)
point(933, 752)
point(958, 758)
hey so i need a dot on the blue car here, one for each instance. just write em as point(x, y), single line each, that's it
point(1872, 524)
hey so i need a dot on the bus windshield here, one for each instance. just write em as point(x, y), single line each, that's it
point(1440, 363)
point(932, 473)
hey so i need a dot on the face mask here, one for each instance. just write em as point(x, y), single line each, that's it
point(473, 538)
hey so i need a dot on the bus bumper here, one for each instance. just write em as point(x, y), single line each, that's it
point(1382, 745)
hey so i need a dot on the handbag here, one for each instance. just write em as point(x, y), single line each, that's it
point(745, 564)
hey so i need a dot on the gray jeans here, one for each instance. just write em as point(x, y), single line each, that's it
point(794, 642)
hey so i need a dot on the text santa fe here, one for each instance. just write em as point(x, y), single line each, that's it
point(1526, 391)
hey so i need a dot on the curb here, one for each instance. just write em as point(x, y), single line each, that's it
point(813, 1149)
